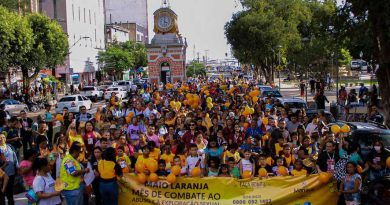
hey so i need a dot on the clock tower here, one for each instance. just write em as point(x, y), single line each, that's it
point(167, 50)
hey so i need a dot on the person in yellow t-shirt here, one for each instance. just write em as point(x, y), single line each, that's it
point(154, 151)
point(288, 156)
point(73, 136)
point(231, 152)
point(167, 156)
point(279, 146)
point(144, 159)
point(123, 160)
point(299, 170)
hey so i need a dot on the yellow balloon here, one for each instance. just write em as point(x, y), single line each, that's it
point(210, 105)
point(178, 105)
point(171, 178)
point(255, 99)
point(335, 129)
point(264, 121)
point(252, 110)
point(345, 128)
point(209, 99)
point(172, 104)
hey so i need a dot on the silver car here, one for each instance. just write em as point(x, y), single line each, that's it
point(14, 107)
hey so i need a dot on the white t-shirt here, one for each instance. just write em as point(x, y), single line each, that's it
point(46, 185)
point(246, 165)
point(192, 161)
point(310, 128)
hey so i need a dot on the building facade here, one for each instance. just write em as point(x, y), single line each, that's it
point(116, 33)
point(129, 14)
point(83, 21)
point(167, 50)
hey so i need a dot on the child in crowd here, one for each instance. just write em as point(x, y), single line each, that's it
point(224, 171)
point(167, 156)
point(263, 163)
point(161, 168)
point(233, 169)
point(177, 162)
point(351, 185)
point(154, 151)
point(288, 156)
point(231, 152)
point(144, 159)
point(279, 145)
point(194, 160)
point(123, 160)
point(247, 164)
point(213, 165)
point(298, 170)
point(280, 162)
point(26, 168)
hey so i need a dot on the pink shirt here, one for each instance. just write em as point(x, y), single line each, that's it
point(29, 177)
point(154, 138)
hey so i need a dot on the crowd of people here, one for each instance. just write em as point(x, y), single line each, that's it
point(222, 128)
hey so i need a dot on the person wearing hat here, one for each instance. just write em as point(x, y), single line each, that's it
point(71, 172)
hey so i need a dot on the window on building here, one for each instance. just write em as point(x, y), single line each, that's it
point(90, 21)
point(79, 14)
point(73, 11)
point(94, 18)
point(84, 17)
point(95, 36)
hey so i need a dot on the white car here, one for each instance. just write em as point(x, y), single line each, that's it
point(92, 92)
point(120, 93)
point(126, 85)
point(73, 103)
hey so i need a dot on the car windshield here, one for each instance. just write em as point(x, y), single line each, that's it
point(88, 88)
point(123, 83)
point(295, 104)
point(112, 89)
point(364, 63)
point(67, 99)
point(272, 93)
point(355, 63)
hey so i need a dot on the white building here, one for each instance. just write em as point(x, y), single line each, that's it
point(116, 33)
point(130, 14)
point(83, 21)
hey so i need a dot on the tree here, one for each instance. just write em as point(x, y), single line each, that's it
point(120, 57)
point(264, 29)
point(196, 69)
point(49, 49)
point(345, 57)
point(16, 39)
point(378, 15)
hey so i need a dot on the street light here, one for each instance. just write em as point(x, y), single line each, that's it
point(304, 40)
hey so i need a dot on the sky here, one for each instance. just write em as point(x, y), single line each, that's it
point(202, 23)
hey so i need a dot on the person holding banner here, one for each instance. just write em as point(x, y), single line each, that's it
point(194, 160)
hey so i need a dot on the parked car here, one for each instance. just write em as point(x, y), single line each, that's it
point(312, 113)
point(365, 134)
point(359, 65)
point(73, 103)
point(92, 92)
point(294, 103)
point(271, 92)
point(120, 93)
point(14, 107)
point(264, 87)
point(126, 85)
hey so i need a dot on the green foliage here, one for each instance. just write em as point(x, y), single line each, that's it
point(264, 28)
point(120, 57)
point(50, 44)
point(196, 69)
point(16, 39)
point(345, 57)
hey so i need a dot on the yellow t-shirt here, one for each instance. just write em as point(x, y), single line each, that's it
point(295, 172)
point(168, 158)
point(155, 154)
point(124, 162)
point(289, 160)
point(144, 161)
point(278, 148)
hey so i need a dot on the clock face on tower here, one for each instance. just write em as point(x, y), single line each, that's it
point(164, 22)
